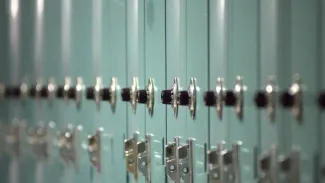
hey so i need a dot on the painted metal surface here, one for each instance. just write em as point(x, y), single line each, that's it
point(155, 28)
point(243, 62)
point(304, 53)
point(175, 64)
point(82, 64)
point(135, 57)
point(218, 42)
point(114, 65)
point(5, 76)
point(196, 67)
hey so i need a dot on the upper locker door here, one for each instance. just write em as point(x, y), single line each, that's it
point(151, 157)
point(176, 82)
point(241, 85)
point(271, 79)
point(113, 70)
point(197, 80)
point(136, 81)
point(217, 74)
point(304, 55)
point(83, 68)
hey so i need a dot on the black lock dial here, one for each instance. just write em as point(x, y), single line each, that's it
point(72, 93)
point(321, 100)
point(184, 98)
point(90, 93)
point(166, 96)
point(44, 93)
point(210, 98)
point(32, 92)
point(261, 99)
point(230, 98)
point(142, 96)
point(13, 91)
point(287, 99)
point(60, 92)
point(126, 94)
point(105, 94)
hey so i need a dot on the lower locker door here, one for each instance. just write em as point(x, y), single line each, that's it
point(241, 84)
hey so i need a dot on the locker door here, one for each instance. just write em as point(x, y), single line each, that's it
point(114, 66)
point(304, 54)
point(135, 68)
point(44, 157)
point(4, 79)
point(197, 75)
point(241, 84)
point(14, 56)
point(217, 71)
point(271, 79)
point(83, 66)
point(28, 165)
point(49, 62)
point(154, 12)
point(176, 81)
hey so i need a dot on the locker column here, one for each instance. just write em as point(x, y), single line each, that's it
point(272, 125)
point(4, 79)
point(176, 82)
point(135, 81)
point(213, 98)
point(304, 53)
point(82, 66)
point(115, 74)
point(240, 86)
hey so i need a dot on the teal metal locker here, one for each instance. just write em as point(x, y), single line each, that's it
point(213, 98)
point(197, 80)
point(114, 67)
point(151, 160)
point(28, 165)
point(176, 81)
point(82, 65)
point(304, 53)
point(242, 82)
point(4, 79)
point(272, 124)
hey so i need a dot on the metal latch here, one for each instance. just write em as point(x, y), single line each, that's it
point(192, 97)
point(289, 167)
point(51, 87)
point(13, 135)
point(94, 147)
point(131, 154)
point(144, 157)
point(223, 165)
point(38, 139)
point(268, 167)
point(214, 98)
point(66, 142)
point(179, 161)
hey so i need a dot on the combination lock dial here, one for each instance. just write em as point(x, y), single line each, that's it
point(321, 100)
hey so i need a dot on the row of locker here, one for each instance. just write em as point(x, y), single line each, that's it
point(163, 39)
point(292, 98)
